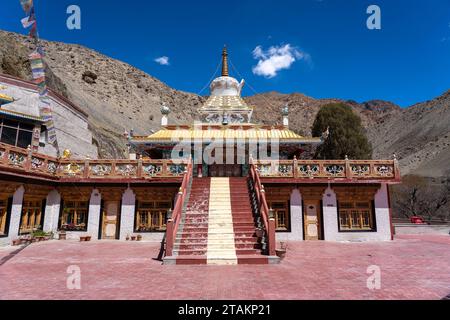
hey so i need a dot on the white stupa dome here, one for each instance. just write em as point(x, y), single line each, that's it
point(226, 86)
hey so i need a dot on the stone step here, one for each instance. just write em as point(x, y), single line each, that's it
point(218, 253)
point(252, 240)
point(203, 260)
point(205, 219)
point(199, 234)
point(213, 247)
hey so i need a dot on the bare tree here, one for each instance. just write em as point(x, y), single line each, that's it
point(419, 196)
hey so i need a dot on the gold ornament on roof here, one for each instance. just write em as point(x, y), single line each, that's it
point(67, 154)
point(225, 62)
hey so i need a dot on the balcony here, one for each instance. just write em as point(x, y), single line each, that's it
point(23, 162)
point(317, 171)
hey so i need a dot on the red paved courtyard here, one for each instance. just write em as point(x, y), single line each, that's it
point(412, 267)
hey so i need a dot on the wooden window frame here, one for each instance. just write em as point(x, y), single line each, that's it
point(33, 205)
point(287, 214)
point(5, 220)
point(76, 208)
point(150, 212)
point(18, 130)
point(354, 208)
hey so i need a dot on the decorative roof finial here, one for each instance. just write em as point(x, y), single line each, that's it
point(225, 62)
point(165, 110)
point(285, 110)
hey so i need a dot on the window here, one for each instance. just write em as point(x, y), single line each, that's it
point(3, 217)
point(31, 216)
point(281, 211)
point(74, 216)
point(151, 216)
point(16, 133)
point(356, 215)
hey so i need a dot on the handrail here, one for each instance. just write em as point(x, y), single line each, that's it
point(174, 221)
point(25, 161)
point(21, 161)
point(351, 170)
point(268, 219)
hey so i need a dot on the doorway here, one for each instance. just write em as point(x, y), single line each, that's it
point(225, 170)
point(312, 220)
point(110, 220)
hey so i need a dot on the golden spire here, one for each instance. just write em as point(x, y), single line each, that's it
point(225, 62)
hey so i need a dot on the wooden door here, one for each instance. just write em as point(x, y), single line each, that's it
point(110, 219)
point(311, 214)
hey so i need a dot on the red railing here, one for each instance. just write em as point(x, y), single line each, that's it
point(266, 215)
point(174, 221)
point(24, 161)
point(338, 170)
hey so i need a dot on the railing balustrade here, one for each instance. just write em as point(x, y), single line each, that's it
point(174, 221)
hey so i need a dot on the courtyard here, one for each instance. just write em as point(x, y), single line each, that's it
point(412, 267)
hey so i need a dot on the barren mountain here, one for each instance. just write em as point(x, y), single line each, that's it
point(116, 96)
point(119, 97)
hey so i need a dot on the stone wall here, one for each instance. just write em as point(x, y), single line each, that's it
point(409, 228)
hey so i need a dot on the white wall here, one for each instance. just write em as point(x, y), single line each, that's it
point(127, 215)
point(71, 126)
point(127, 220)
point(95, 204)
point(296, 233)
point(52, 210)
point(14, 221)
point(330, 213)
point(382, 219)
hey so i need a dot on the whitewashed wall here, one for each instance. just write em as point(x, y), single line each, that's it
point(296, 233)
point(382, 218)
point(14, 221)
point(95, 205)
point(52, 210)
point(71, 126)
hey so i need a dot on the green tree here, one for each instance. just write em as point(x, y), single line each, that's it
point(346, 134)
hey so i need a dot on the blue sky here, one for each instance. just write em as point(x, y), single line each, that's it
point(334, 53)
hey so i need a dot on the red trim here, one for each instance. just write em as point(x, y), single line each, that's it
point(326, 181)
point(30, 85)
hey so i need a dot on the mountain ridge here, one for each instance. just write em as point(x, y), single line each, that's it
point(118, 97)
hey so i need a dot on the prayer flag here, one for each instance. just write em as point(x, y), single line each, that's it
point(27, 22)
point(27, 5)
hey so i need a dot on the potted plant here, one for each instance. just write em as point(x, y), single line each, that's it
point(281, 252)
point(139, 237)
point(88, 238)
point(49, 236)
point(133, 238)
point(62, 235)
point(127, 238)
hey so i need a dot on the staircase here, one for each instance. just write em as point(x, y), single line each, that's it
point(218, 226)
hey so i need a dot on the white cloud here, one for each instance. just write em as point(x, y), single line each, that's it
point(164, 61)
point(276, 58)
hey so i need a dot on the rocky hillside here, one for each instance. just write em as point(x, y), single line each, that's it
point(118, 96)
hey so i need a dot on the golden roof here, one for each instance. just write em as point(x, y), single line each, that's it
point(5, 98)
point(20, 115)
point(237, 132)
point(225, 102)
